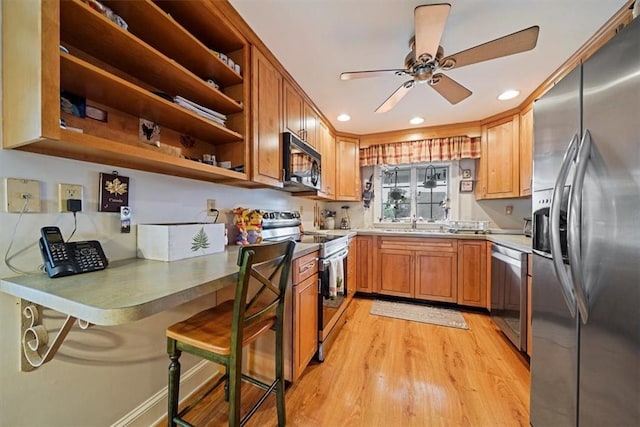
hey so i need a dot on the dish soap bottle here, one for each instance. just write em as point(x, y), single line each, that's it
point(345, 222)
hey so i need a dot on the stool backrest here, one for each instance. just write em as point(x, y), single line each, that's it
point(269, 264)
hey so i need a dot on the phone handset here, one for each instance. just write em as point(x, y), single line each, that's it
point(63, 259)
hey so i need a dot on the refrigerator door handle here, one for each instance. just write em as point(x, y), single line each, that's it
point(574, 219)
point(566, 283)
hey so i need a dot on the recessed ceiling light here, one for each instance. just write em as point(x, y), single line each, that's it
point(508, 94)
point(416, 120)
point(344, 118)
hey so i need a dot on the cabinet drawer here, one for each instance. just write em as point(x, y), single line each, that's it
point(419, 243)
point(304, 267)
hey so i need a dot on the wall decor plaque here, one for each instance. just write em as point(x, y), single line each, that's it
point(114, 192)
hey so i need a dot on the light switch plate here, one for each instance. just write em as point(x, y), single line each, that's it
point(23, 195)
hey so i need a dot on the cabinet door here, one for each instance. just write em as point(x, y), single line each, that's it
point(436, 274)
point(472, 273)
point(364, 267)
point(311, 126)
point(347, 169)
point(352, 261)
point(526, 151)
point(328, 151)
point(499, 163)
point(293, 110)
point(306, 323)
point(267, 147)
point(396, 272)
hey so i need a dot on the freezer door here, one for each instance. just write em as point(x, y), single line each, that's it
point(556, 119)
point(610, 235)
point(554, 382)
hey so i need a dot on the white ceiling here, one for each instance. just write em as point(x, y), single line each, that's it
point(316, 40)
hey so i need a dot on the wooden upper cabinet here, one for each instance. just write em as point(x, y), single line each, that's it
point(472, 273)
point(347, 169)
point(526, 151)
point(299, 116)
point(126, 73)
point(327, 149)
point(311, 126)
point(293, 110)
point(499, 172)
point(266, 165)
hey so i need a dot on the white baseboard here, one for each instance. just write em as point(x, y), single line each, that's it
point(154, 410)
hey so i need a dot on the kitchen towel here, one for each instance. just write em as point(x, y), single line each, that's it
point(336, 277)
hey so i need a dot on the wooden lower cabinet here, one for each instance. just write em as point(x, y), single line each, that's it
point(472, 273)
point(423, 268)
point(365, 247)
point(304, 274)
point(436, 276)
point(305, 323)
point(396, 275)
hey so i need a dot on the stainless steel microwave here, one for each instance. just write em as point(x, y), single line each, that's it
point(302, 166)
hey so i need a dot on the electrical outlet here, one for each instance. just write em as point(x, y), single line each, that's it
point(66, 192)
point(23, 195)
point(508, 210)
point(211, 206)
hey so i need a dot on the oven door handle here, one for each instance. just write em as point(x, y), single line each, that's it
point(341, 255)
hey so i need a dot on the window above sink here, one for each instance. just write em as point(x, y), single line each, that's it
point(419, 190)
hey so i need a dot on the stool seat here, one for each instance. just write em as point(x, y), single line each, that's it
point(210, 329)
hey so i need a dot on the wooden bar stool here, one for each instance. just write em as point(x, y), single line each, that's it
point(220, 333)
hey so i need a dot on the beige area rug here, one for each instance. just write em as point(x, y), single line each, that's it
point(419, 313)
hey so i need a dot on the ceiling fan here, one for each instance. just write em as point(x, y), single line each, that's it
point(426, 61)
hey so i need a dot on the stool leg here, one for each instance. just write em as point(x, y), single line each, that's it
point(282, 414)
point(234, 381)
point(174, 381)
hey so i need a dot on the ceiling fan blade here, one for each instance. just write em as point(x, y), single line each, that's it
point(520, 41)
point(396, 97)
point(450, 89)
point(373, 73)
point(429, 25)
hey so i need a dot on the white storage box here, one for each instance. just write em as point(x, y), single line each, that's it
point(170, 242)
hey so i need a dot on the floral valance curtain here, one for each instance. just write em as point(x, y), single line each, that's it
point(437, 150)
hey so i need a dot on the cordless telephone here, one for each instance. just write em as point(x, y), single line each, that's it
point(65, 258)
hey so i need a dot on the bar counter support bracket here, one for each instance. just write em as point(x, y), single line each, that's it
point(35, 337)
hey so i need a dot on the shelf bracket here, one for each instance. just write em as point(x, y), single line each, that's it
point(36, 350)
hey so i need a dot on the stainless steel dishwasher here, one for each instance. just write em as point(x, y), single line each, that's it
point(508, 293)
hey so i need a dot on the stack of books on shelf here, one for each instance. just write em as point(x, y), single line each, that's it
point(201, 111)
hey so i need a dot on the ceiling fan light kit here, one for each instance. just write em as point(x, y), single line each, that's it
point(426, 60)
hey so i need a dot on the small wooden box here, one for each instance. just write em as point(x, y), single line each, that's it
point(170, 242)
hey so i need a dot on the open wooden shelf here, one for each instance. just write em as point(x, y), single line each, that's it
point(86, 29)
point(84, 79)
point(197, 16)
point(91, 148)
point(156, 27)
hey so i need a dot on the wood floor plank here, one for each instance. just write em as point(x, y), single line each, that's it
point(391, 372)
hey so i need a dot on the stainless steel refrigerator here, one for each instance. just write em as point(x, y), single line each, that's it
point(585, 365)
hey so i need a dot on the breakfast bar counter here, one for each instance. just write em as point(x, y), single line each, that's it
point(132, 289)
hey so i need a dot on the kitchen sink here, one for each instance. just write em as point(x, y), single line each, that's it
point(413, 231)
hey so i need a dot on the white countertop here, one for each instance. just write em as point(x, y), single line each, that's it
point(516, 241)
point(132, 289)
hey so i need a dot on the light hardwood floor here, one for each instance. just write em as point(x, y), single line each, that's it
point(391, 372)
